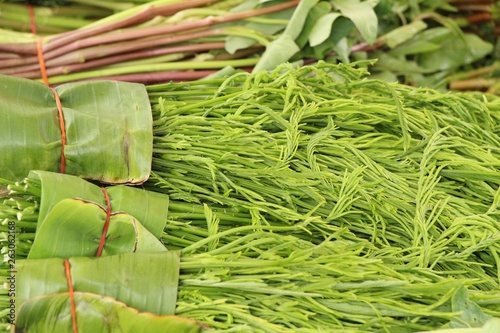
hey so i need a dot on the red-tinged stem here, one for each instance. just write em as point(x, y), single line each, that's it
point(479, 18)
point(9, 55)
point(146, 14)
point(476, 8)
point(19, 66)
point(102, 51)
point(136, 33)
point(19, 61)
point(34, 73)
point(19, 48)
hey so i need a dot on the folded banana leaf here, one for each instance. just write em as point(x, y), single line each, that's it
point(108, 127)
point(94, 313)
point(74, 228)
point(144, 281)
point(150, 208)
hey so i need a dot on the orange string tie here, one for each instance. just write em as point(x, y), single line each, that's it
point(39, 44)
point(62, 127)
point(106, 224)
point(41, 60)
point(67, 268)
point(31, 13)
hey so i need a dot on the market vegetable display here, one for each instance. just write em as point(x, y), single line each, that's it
point(312, 198)
point(440, 44)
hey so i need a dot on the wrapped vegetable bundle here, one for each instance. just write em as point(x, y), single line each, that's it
point(97, 130)
point(248, 280)
point(311, 198)
point(133, 287)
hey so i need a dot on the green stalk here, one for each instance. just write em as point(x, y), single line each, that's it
point(183, 65)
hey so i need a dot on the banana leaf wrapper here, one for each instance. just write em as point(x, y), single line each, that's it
point(74, 228)
point(73, 212)
point(147, 282)
point(94, 313)
point(108, 127)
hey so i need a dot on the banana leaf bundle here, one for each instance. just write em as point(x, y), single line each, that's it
point(102, 131)
point(119, 290)
point(321, 287)
point(135, 218)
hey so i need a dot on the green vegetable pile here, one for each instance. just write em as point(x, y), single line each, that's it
point(311, 199)
point(443, 44)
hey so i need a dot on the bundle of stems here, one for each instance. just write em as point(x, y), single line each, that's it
point(48, 20)
point(172, 40)
point(156, 42)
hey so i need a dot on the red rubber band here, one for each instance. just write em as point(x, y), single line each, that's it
point(106, 224)
point(71, 294)
point(62, 127)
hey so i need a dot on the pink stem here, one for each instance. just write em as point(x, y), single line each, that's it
point(136, 33)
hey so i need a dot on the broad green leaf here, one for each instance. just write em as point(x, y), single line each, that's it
point(145, 281)
point(284, 47)
point(322, 29)
point(471, 314)
point(363, 16)
point(108, 127)
point(150, 208)
point(454, 52)
point(434, 35)
point(277, 52)
point(73, 228)
point(314, 14)
point(385, 75)
point(402, 34)
point(414, 48)
point(343, 50)
point(245, 37)
point(298, 19)
point(340, 29)
point(398, 65)
point(95, 313)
